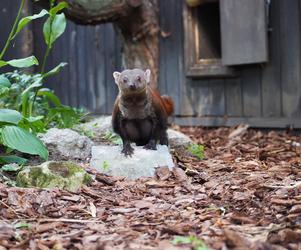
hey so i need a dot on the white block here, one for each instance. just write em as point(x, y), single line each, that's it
point(110, 160)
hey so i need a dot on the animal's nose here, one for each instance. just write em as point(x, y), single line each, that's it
point(132, 86)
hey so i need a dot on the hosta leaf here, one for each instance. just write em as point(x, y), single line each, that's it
point(57, 8)
point(4, 82)
point(53, 29)
point(12, 159)
point(23, 141)
point(55, 70)
point(21, 63)
point(10, 116)
point(28, 19)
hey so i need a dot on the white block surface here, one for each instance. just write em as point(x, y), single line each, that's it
point(110, 160)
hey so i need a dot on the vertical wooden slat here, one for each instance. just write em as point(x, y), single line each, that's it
point(171, 50)
point(251, 90)
point(99, 84)
point(271, 72)
point(71, 86)
point(290, 57)
point(81, 66)
point(233, 97)
point(200, 97)
point(111, 89)
point(90, 66)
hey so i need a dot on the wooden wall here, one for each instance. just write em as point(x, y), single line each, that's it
point(267, 95)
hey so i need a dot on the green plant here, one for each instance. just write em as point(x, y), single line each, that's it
point(18, 91)
point(196, 150)
point(26, 107)
point(16, 28)
point(25, 93)
point(53, 28)
point(15, 137)
point(193, 240)
point(112, 137)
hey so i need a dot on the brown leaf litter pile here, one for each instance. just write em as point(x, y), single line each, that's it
point(245, 194)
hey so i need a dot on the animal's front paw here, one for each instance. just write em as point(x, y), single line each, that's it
point(127, 151)
point(151, 145)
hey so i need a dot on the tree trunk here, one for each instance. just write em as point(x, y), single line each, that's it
point(136, 21)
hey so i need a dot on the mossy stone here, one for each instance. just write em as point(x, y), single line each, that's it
point(66, 175)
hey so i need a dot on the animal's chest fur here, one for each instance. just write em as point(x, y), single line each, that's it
point(137, 118)
point(136, 107)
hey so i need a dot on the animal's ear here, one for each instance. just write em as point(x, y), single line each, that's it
point(147, 74)
point(116, 76)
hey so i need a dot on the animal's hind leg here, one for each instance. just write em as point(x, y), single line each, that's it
point(163, 138)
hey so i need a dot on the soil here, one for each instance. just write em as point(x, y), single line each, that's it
point(245, 194)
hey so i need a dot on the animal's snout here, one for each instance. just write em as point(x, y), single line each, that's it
point(132, 86)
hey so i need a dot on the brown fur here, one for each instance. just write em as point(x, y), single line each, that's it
point(140, 115)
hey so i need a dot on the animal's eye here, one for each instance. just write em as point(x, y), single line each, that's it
point(125, 80)
point(138, 78)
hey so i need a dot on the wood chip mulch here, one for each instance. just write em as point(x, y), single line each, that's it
point(245, 194)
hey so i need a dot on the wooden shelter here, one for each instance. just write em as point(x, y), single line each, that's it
point(224, 62)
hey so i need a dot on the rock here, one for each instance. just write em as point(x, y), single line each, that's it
point(97, 127)
point(50, 174)
point(101, 126)
point(178, 139)
point(67, 144)
point(143, 163)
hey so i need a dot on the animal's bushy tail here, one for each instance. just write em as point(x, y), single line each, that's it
point(168, 104)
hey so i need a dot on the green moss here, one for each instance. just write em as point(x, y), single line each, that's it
point(65, 175)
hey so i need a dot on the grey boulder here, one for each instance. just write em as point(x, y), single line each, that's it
point(67, 144)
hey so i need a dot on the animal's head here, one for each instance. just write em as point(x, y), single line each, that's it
point(132, 80)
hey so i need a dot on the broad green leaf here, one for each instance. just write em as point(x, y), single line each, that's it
point(10, 116)
point(21, 63)
point(28, 19)
point(53, 11)
point(50, 95)
point(4, 82)
point(12, 159)
point(55, 70)
point(54, 28)
point(23, 141)
point(12, 167)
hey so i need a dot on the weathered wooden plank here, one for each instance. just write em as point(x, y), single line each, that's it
point(69, 77)
point(171, 23)
point(201, 99)
point(110, 62)
point(90, 67)
point(259, 122)
point(216, 97)
point(185, 104)
point(271, 72)
point(233, 95)
point(99, 84)
point(251, 90)
point(290, 57)
point(243, 28)
point(82, 67)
